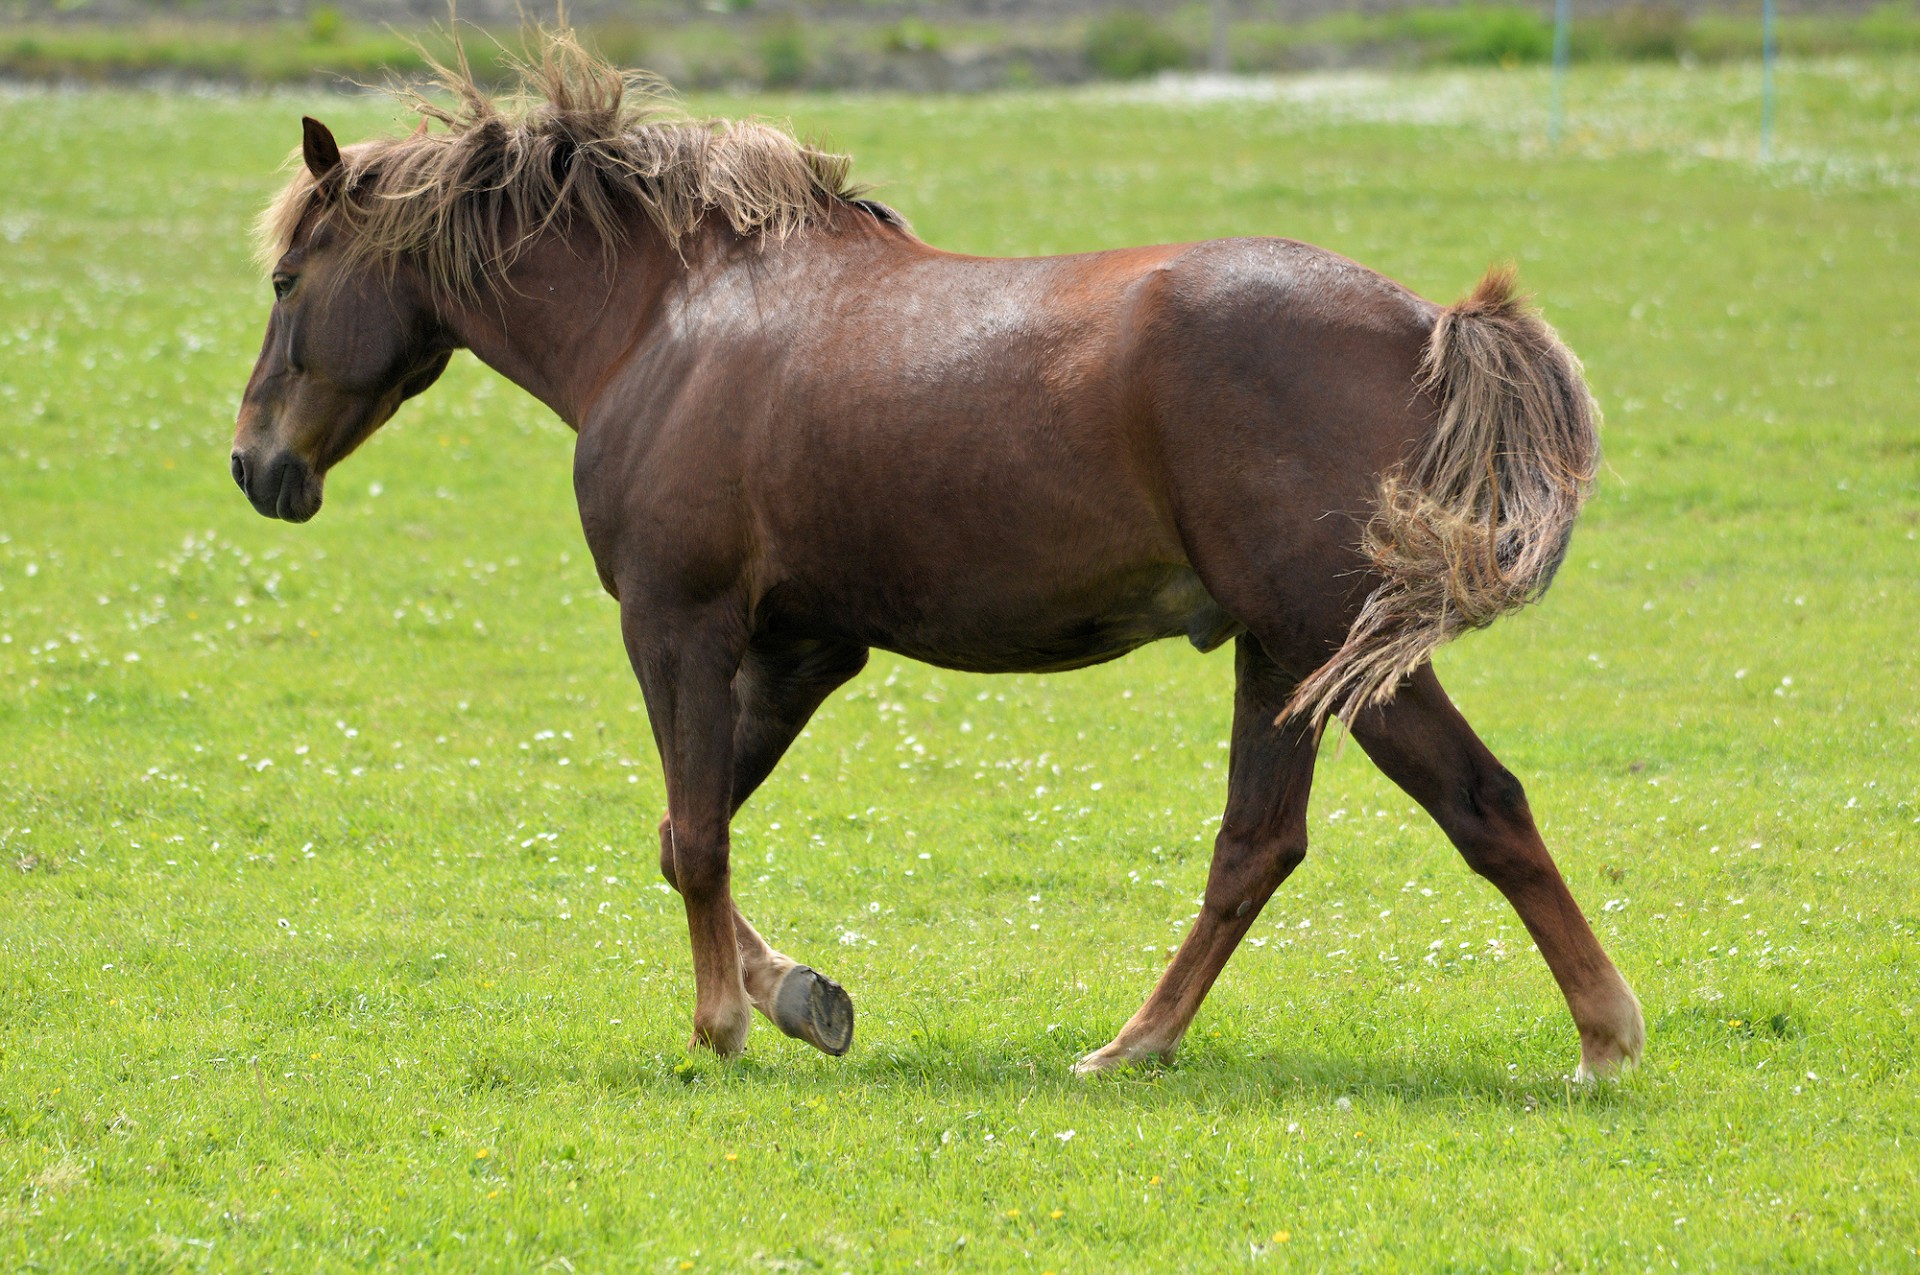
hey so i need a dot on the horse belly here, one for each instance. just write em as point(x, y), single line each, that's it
point(983, 632)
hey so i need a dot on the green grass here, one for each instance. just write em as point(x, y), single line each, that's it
point(330, 934)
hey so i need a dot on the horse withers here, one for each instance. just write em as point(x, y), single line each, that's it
point(803, 433)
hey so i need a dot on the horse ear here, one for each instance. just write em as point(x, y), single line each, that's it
point(317, 147)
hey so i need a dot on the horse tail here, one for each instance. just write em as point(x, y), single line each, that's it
point(1476, 524)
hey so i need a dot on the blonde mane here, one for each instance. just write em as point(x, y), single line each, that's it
point(577, 142)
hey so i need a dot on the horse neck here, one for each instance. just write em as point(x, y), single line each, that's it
point(564, 314)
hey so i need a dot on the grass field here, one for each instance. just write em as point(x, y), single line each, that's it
point(330, 934)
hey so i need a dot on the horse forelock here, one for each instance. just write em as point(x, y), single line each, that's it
point(577, 143)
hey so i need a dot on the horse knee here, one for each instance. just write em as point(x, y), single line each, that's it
point(696, 867)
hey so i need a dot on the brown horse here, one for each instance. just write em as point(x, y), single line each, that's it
point(803, 433)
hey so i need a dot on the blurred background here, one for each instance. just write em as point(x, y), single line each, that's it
point(919, 45)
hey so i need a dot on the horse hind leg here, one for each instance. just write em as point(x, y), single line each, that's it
point(1263, 837)
point(1420, 740)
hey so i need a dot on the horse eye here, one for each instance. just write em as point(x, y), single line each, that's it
point(282, 285)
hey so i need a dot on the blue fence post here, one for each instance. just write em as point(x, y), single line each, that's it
point(1562, 37)
point(1767, 50)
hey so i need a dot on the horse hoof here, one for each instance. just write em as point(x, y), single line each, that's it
point(1596, 1066)
point(1114, 1057)
point(810, 1006)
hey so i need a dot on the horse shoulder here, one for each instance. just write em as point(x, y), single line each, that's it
point(658, 477)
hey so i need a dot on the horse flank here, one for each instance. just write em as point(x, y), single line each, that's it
point(1476, 526)
point(579, 142)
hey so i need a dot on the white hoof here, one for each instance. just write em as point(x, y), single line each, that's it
point(1115, 1056)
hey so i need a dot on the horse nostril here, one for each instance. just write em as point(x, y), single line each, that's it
point(240, 470)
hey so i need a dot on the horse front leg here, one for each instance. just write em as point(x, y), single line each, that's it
point(1420, 740)
point(686, 666)
point(775, 693)
point(1263, 837)
point(798, 999)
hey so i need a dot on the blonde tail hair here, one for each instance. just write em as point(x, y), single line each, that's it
point(1476, 524)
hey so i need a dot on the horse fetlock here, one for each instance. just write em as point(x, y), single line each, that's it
point(809, 1006)
point(722, 1031)
point(1612, 1035)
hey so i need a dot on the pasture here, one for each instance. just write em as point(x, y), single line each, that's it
point(330, 929)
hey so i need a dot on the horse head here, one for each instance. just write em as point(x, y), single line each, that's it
point(350, 337)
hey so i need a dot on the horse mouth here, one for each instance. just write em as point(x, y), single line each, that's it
point(289, 489)
point(298, 498)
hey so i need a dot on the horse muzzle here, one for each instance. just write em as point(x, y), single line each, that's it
point(279, 486)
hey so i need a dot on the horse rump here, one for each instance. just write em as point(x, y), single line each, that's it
point(1476, 523)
